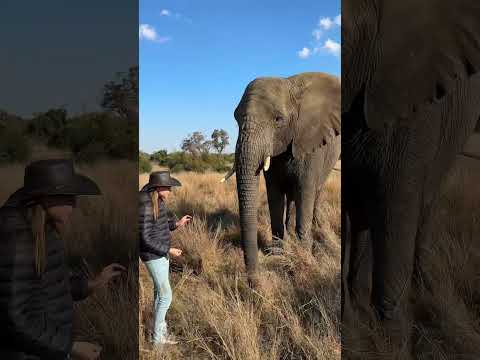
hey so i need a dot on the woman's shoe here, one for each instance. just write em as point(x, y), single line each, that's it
point(168, 340)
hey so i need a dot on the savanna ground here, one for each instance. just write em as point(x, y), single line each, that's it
point(293, 314)
point(104, 231)
point(446, 322)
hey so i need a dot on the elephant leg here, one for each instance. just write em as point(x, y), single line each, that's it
point(345, 260)
point(276, 205)
point(393, 239)
point(359, 277)
point(423, 275)
point(290, 216)
point(304, 217)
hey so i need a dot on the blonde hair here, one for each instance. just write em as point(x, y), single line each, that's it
point(38, 217)
point(154, 196)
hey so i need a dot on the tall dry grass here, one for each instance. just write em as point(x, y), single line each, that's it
point(446, 318)
point(294, 312)
point(104, 230)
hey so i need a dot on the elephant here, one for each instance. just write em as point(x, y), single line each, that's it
point(290, 128)
point(410, 101)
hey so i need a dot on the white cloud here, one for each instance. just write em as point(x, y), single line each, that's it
point(338, 20)
point(176, 15)
point(326, 23)
point(332, 47)
point(317, 34)
point(148, 32)
point(304, 53)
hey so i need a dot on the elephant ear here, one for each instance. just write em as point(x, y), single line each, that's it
point(318, 99)
point(424, 48)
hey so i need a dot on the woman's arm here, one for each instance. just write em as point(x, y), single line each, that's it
point(145, 217)
point(183, 221)
point(172, 224)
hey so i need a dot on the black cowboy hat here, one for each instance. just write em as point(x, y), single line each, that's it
point(161, 178)
point(55, 177)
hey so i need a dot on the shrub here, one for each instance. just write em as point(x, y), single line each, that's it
point(14, 145)
point(183, 161)
point(49, 126)
point(177, 168)
point(160, 157)
point(144, 164)
point(102, 134)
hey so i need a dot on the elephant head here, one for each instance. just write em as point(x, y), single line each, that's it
point(399, 72)
point(302, 111)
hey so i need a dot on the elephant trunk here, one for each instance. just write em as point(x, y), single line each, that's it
point(248, 161)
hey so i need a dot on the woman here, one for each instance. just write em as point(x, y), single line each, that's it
point(36, 289)
point(155, 250)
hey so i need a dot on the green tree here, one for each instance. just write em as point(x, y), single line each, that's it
point(220, 140)
point(194, 143)
point(160, 156)
point(144, 163)
point(50, 126)
point(121, 96)
point(14, 144)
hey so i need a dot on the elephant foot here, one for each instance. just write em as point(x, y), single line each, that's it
point(253, 280)
point(397, 336)
point(307, 244)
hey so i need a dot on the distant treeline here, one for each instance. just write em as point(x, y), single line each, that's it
point(199, 154)
point(184, 161)
point(111, 133)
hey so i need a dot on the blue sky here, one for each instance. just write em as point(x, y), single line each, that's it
point(60, 54)
point(197, 57)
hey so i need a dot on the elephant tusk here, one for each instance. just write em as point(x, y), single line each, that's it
point(230, 173)
point(470, 155)
point(266, 164)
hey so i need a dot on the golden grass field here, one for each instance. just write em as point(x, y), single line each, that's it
point(295, 311)
point(293, 314)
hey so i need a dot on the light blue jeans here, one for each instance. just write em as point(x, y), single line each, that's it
point(158, 270)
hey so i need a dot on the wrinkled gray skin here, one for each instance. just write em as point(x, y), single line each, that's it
point(296, 121)
point(410, 101)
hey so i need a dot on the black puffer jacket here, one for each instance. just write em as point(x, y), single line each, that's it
point(155, 237)
point(35, 312)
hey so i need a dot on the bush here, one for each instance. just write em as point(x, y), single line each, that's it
point(102, 135)
point(177, 168)
point(49, 126)
point(182, 161)
point(161, 157)
point(14, 145)
point(144, 164)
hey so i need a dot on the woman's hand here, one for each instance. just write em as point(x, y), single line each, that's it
point(85, 351)
point(184, 220)
point(175, 252)
point(108, 273)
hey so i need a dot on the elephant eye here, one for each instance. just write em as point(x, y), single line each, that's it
point(278, 119)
